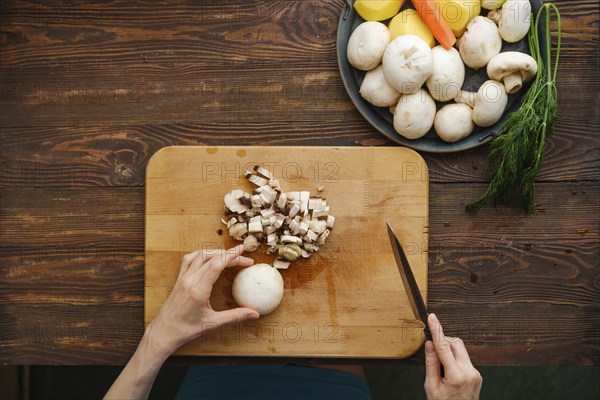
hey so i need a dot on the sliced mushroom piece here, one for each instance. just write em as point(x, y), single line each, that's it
point(311, 235)
point(263, 171)
point(272, 239)
point(330, 221)
point(255, 224)
point(250, 243)
point(294, 210)
point(282, 201)
point(512, 68)
point(255, 179)
point(267, 213)
point(233, 202)
point(237, 231)
point(290, 252)
point(304, 197)
point(281, 264)
point(290, 239)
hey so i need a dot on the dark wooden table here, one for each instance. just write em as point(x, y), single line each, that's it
point(90, 91)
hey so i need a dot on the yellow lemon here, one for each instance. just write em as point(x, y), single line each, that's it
point(377, 10)
point(408, 22)
point(458, 13)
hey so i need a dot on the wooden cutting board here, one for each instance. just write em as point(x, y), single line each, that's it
point(348, 300)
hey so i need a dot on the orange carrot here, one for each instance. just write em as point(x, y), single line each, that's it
point(430, 14)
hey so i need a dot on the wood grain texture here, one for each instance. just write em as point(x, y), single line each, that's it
point(490, 275)
point(347, 300)
point(89, 91)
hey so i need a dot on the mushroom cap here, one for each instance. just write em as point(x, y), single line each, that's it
point(414, 114)
point(259, 287)
point(480, 42)
point(375, 89)
point(407, 63)
point(490, 102)
point(454, 122)
point(515, 19)
point(448, 75)
point(367, 45)
point(509, 62)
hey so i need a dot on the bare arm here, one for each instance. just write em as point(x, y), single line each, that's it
point(186, 315)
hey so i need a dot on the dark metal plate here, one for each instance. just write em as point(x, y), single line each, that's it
point(381, 119)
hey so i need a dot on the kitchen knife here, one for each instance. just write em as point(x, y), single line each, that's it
point(410, 285)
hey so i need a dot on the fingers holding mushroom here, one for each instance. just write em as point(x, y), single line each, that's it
point(513, 69)
point(367, 45)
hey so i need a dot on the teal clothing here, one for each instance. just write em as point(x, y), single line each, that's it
point(268, 382)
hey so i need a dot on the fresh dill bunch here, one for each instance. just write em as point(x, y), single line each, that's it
point(517, 153)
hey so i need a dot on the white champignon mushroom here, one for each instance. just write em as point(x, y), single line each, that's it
point(448, 75)
point(375, 89)
point(407, 63)
point(259, 287)
point(414, 114)
point(454, 122)
point(367, 45)
point(513, 19)
point(488, 103)
point(480, 42)
point(512, 68)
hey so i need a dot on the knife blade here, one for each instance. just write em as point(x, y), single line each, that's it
point(410, 284)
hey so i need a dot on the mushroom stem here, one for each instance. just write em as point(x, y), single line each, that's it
point(467, 98)
point(513, 82)
point(495, 15)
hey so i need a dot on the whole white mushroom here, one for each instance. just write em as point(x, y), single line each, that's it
point(367, 45)
point(376, 90)
point(480, 42)
point(448, 75)
point(513, 19)
point(488, 103)
point(512, 68)
point(259, 287)
point(454, 122)
point(414, 114)
point(407, 63)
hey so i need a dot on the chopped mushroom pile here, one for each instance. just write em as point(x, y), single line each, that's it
point(293, 224)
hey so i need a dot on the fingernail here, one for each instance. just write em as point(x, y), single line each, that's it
point(247, 259)
point(252, 316)
point(433, 317)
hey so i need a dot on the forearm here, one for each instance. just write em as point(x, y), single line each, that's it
point(136, 379)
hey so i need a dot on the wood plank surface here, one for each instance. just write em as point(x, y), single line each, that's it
point(89, 91)
point(347, 300)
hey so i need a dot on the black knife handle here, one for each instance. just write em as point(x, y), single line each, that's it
point(427, 333)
